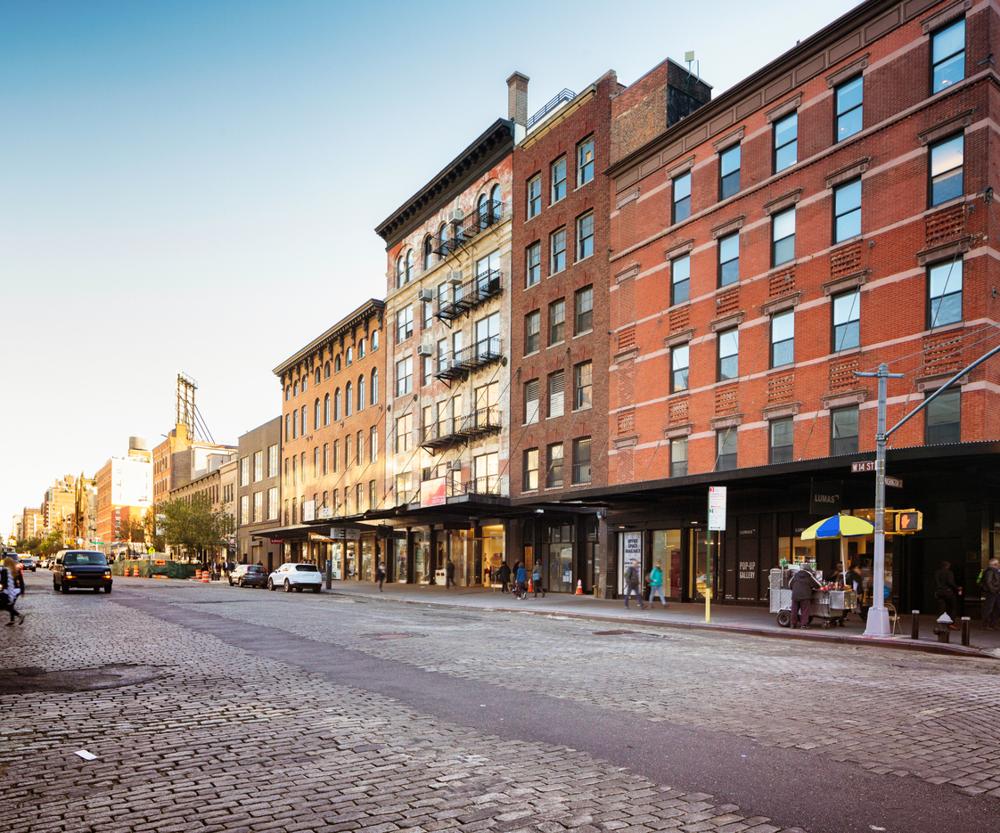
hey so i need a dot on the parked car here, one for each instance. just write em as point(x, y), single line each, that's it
point(238, 570)
point(252, 575)
point(28, 562)
point(296, 576)
point(81, 568)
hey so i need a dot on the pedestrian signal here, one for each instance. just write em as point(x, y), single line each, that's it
point(908, 520)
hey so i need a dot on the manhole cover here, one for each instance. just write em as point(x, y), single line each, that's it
point(632, 634)
point(390, 635)
point(31, 679)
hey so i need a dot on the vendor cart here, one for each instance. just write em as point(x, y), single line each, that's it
point(829, 606)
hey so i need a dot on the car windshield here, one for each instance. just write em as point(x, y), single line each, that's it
point(253, 568)
point(78, 559)
point(306, 568)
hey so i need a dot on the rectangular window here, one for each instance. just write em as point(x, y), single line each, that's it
point(583, 310)
point(258, 506)
point(679, 457)
point(681, 188)
point(680, 357)
point(534, 196)
point(245, 509)
point(404, 427)
point(557, 251)
point(729, 259)
point(847, 210)
point(360, 443)
point(326, 457)
point(725, 443)
point(533, 264)
point(585, 161)
point(781, 440)
point(943, 419)
point(557, 398)
point(844, 430)
point(348, 451)
point(485, 472)
point(783, 338)
point(272, 460)
point(849, 99)
point(944, 284)
point(372, 496)
point(404, 376)
point(316, 469)
point(428, 314)
point(729, 172)
point(554, 466)
point(258, 466)
point(373, 444)
point(532, 332)
point(335, 456)
point(847, 320)
point(783, 237)
point(272, 503)
point(947, 159)
point(557, 321)
point(426, 369)
point(948, 56)
point(583, 385)
point(245, 471)
point(585, 235)
point(530, 478)
point(531, 393)
point(680, 279)
point(558, 171)
point(786, 142)
point(729, 350)
point(581, 460)
point(404, 323)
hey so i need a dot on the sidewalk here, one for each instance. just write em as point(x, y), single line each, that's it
point(755, 621)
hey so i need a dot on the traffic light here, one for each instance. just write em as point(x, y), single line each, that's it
point(908, 521)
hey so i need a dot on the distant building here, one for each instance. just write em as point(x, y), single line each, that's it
point(32, 523)
point(258, 494)
point(124, 491)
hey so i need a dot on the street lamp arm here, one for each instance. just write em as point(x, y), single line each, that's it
point(944, 387)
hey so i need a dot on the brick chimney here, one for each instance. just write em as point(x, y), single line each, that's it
point(517, 103)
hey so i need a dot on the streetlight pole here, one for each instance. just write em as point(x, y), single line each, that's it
point(878, 617)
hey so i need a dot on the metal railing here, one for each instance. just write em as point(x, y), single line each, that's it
point(459, 365)
point(470, 294)
point(561, 96)
point(462, 231)
point(456, 430)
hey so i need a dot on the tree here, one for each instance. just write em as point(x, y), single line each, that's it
point(51, 543)
point(194, 525)
point(132, 530)
point(154, 537)
point(31, 545)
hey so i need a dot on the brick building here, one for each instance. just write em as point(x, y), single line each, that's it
point(828, 213)
point(448, 308)
point(333, 430)
point(124, 491)
point(258, 494)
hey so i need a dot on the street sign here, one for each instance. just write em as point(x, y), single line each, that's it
point(717, 508)
point(895, 482)
point(862, 466)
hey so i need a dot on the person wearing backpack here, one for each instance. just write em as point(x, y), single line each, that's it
point(656, 585)
point(11, 587)
point(632, 584)
point(991, 594)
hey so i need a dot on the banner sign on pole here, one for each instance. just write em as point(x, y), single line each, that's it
point(717, 508)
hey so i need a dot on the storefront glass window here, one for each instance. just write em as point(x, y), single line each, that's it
point(667, 553)
point(367, 558)
point(399, 559)
point(421, 558)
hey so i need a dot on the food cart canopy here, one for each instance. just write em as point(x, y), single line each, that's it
point(838, 526)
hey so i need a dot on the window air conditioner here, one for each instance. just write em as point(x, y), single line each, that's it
point(426, 294)
point(425, 350)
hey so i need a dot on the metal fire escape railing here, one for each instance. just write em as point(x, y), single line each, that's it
point(470, 294)
point(465, 229)
point(462, 429)
point(459, 365)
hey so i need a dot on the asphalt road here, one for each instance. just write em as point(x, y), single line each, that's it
point(504, 679)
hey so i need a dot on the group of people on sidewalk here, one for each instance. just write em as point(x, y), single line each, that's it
point(633, 585)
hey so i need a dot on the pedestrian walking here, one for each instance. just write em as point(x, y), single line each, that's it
point(521, 581)
point(449, 574)
point(11, 587)
point(946, 592)
point(802, 584)
point(632, 584)
point(380, 575)
point(536, 580)
point(991, 594)
point(503, 574)
point(656, 585)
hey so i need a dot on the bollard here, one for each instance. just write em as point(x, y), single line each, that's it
point(915, 624)
point(966, 628)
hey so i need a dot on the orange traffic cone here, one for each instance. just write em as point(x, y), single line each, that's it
point(531, 585)
point(205, 576)
point(579, 587)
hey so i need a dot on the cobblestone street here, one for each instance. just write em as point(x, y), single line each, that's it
point(211, 708)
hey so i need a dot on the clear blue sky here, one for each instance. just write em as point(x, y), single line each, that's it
point(193, 185)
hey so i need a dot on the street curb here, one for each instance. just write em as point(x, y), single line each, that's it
point(740, 630)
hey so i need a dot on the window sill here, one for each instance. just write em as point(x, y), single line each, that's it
point(582, 259)
point(583, 334)
point(532, 353)
point(582, 410)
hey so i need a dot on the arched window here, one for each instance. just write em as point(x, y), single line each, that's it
point(362, 346)
point(374, 340)
point(295, 388)
point(496, 203)
point(409, 265)
point(350, 356)
point(400, 274)
point(305, 382)
point(326, 409)
point(348, 398)
point(288, 392)
point(316, 422)
point(483, 210)
point(375, 386)
point(295, 423)
point(361, 393)
point(428, 251)
point(336, 364)
point(326, 370)
point(336, 405)
point(316, 380)
point(444, 235)
point(288, 427)
point(305, 421)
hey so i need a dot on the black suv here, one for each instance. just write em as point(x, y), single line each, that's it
point(81, 568)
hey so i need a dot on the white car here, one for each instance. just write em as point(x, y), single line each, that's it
point(296, 576)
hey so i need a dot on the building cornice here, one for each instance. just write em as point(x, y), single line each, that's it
point(367, 310)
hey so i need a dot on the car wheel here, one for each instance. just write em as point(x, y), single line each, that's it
point(55, 587)
point(63, 588)
point(230, 582)
point(270, 584)
point(240, 583)
point(288, 587)
point(107, 588)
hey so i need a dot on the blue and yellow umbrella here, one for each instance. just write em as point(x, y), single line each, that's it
point(838, 526)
